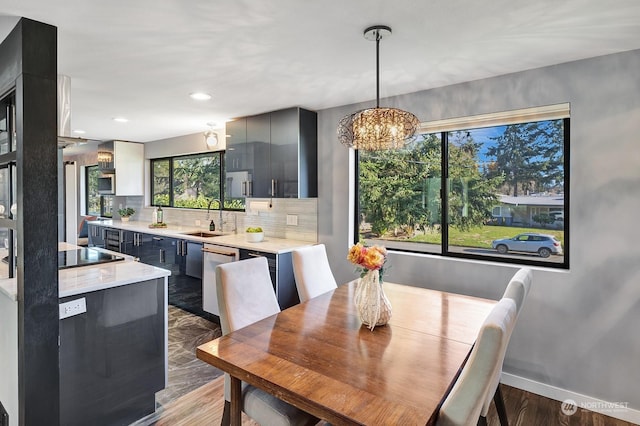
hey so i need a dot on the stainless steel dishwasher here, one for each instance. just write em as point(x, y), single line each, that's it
point(212, 256)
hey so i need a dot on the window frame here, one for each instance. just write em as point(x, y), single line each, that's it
point(488, 120)
point(171, 160)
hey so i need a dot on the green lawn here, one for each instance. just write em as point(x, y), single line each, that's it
point(482, 236)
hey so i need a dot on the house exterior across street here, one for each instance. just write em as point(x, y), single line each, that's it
point(520, 211)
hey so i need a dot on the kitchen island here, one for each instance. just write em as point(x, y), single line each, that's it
point(113, 341)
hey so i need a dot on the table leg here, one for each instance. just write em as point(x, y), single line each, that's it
point(236, 408)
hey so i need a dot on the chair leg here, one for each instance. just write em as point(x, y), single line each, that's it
point(500, 408)
point(226, 414)
point(482, 421)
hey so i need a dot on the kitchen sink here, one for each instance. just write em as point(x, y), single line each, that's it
point(203, 234)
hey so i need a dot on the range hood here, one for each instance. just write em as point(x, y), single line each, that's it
point(64, 115)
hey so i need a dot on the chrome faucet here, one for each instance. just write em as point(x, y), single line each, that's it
point(209, 209)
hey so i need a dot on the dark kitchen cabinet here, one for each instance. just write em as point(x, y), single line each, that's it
point(157, 251)
point(135, 243)
point(281, 271)
point(238, 162)
point(185, 282)
point(294, 153)
point(236, 152)
point(193, 267)
point(258, 143)
point(280, 152)
point(96, 235)
point(112, 357)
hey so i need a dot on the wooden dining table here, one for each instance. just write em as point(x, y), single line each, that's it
point(319, 357)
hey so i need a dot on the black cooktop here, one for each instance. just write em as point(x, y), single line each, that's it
point(84, 257)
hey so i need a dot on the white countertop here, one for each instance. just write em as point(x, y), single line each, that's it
point(269, 244)
point(84, 279)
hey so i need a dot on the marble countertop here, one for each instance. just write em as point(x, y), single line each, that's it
point(269, 244)
point(84, 279)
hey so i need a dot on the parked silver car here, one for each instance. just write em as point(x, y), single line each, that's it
point(543, 244)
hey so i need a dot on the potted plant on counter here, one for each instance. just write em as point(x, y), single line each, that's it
point(126, 213)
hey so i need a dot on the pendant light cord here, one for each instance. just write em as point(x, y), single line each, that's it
point(378, 37)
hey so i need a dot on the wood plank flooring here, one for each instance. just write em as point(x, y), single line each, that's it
point(204, 406)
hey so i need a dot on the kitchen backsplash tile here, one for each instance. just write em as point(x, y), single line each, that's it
point(273, 220)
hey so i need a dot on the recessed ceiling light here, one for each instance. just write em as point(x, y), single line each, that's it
point(200, 96)
point(80, 132)
point(120, 119)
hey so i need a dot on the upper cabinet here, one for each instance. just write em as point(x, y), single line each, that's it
point(124, 161)
point(258, 143)
point(236, 153)
point(273, 155)
point(294, 153)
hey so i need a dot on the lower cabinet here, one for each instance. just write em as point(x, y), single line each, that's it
point(135, 243)
point(112, 357)
point(96, 235)
point(182, 257)
point(185, 282)
point(281, 271)
point(193, 259)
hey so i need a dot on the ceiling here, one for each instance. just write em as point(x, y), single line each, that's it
point(141, 59)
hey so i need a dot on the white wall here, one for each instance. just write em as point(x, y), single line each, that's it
point(579, 328)
point(182, 145)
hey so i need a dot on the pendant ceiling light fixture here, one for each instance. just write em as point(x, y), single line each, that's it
point(377, 128)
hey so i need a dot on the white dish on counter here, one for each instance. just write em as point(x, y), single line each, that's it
point(254, 237)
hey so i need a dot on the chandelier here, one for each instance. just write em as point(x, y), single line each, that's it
point(377, 128)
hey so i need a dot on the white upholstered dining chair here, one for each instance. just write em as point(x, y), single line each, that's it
point(245, 295)
point(312, 272)
point(517, 290)
point(463, 405)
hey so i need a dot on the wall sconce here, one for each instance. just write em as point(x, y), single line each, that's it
point(211, 137)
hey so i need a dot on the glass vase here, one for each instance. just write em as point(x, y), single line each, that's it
point(373, 307)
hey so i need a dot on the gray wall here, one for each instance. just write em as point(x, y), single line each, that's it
point(579, 329)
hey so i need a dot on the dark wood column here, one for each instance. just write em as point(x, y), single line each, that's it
point(28, 67)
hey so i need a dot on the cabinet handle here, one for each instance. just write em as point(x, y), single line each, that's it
point(162, 256)
point(255, 254)
point(250, 194)
point(244, 188)
point(181, 248)
point(222, 253)
point(273, 187)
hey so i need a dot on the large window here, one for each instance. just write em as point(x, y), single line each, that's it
point(505, 192)
point(97, 204)
point(189, 181)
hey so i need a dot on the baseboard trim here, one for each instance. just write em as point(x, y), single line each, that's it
point(618, 410)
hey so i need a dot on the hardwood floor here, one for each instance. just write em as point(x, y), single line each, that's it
point(525, 408)
point(203, 406)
